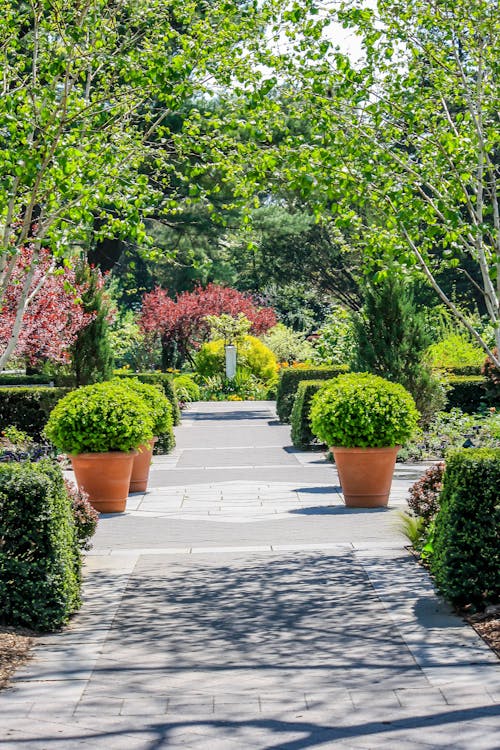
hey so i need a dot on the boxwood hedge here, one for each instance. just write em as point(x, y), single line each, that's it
point(39, 552)
point(465, 560)
point(28, 409)
point(289, 382)
point(302, 436)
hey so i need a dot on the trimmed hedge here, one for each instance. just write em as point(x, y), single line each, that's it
point(39, 557)
point(467, 393)
point(289, 382)
point(465, 560)
point(28, 409)
point(302, 436)
point(153, 378)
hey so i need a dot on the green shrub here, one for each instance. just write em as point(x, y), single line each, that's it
point(39, 555)
point(466, 552)
point(243, 387)
point(99, 418)
point(186, 389)
point(302, 435)
point(85, 516)
point(28, 408)
point(288, 345)
point(492, 380)
point(467, 393)
point(7, 379)
point(363, 410)
point(252, 355)
point(160, 410)
point(155, 377)
point(456, 350)
point(289, 380)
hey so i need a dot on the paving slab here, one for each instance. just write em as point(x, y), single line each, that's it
point(238, 604)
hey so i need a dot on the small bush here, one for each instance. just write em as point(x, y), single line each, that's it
point(186, 389)
point(99, 418)
point(289, 380)
point(28, 408)
point(160, 408)
point(302, 435)
point(155, 377)
point(243, 387)
point(288, 345)
point(85, 516)
point(364, 411)
point(423, 498)
point(252, 355)
point(39, 554)
point(466, 554)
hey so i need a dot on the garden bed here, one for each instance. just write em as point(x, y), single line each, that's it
point(15, 650)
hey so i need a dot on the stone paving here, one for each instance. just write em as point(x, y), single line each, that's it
point(239, 605)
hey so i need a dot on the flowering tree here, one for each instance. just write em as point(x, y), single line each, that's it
point(181, 324)
point(53, 313)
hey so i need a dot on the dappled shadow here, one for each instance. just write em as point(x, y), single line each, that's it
point(333, 488)
point(228, 416)
point(334, 510)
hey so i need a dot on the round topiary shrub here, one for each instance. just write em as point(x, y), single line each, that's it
point(361, 410)
point(252, 354)
point(159, 406)
point(99, 418)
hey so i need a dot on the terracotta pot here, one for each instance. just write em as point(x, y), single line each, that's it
point(141, 466)
point(106, 478)
point(365, 475)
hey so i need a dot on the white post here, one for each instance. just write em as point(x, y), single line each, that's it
point(230, 361)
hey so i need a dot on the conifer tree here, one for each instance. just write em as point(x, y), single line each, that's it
point(390, 340)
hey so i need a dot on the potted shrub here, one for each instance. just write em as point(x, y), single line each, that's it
point(100, 427)
point(364, 419)
point(160, 410)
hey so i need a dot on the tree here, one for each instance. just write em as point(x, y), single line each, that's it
point(403, 150)
point(390, 339)
point(91, 354)
point(182, 323)
point(55, 314)
point(87, 87)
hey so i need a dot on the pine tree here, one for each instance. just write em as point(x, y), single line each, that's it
point(91, 354)
point(390, 340)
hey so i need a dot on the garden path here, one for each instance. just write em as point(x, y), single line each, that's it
point(239, 605)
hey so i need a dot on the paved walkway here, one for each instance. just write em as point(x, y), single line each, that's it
point(238, 605)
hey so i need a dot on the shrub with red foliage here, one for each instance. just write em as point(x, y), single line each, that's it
point(423, 498)
point(85, 516)
point(181, 324)
point(52, 318)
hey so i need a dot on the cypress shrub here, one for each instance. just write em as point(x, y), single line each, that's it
point(289, 382)
point(465, 560)
point(39, 555)
point(302, 435)
point(390, 341)
point(28, 409)
point(91, 354)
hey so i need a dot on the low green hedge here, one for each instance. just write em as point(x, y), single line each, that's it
point(464, 392)
point(28, 409)
point(39, 555)
point(289, 382)
point(465, 560)
point(302, 436)
point(154, 377)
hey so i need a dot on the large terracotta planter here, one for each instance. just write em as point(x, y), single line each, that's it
point(106, 478)
point(365, 475)
point(141, 466)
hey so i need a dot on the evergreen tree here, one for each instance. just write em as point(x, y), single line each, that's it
point(390, 339)
point(91, 354)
